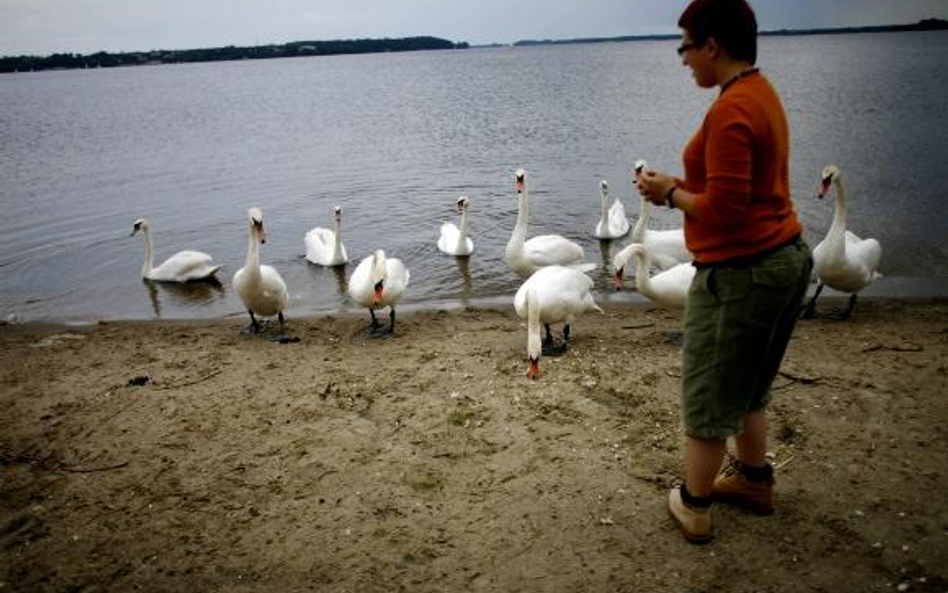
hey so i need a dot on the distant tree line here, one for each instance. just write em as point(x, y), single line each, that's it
point(104, 59)
point(923, 25)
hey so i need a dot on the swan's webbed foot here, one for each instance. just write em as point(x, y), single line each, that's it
point(845, 314)
point(376, 329)
point(674, 337)
point(553, 349)
point(254, 327)
point(549, 346)
point(808, 311)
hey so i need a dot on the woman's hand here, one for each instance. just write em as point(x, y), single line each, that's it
point(654, 186)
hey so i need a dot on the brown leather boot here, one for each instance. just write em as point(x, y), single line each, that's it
point(733, 487)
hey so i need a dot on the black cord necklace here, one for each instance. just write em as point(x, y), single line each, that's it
point(747, 72)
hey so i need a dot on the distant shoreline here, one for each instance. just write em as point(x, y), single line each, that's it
point(103, 59)
point(923, 25)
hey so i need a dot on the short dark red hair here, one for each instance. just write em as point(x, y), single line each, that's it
point(731, 23)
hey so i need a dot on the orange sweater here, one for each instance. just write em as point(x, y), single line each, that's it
point(738, 164)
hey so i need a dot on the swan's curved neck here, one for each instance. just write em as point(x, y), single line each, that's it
point(337, 244)
point(252, 266)
point(605, 206)
point(643, 263)
point(838, 227)
point(462, 231)
point(645, 213)
point(533, 325)
point(523, 219)
point(149, 253)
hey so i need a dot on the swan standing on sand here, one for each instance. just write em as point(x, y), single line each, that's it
point(612, 222)
point(260, 287)
point(525, 257)
point(454, 240)
point(184, 266)
point(667, 247)
point(667, 289)
point(842, 260)
point(324, 246)
point(553, 294)
point(379, 282)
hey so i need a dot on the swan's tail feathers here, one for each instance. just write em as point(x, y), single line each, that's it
point(585, 267)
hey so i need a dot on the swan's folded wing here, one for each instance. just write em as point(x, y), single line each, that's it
point(549, 250)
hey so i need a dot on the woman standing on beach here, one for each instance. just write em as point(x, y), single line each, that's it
point(753, 267)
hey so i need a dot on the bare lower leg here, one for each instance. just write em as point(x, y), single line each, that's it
point(752, 442)
point(702, 462)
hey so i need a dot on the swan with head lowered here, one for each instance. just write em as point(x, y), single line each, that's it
point(527, 256)
point(454, 240)
point(842, 260)
point(323, 246)
point(183, 266)
point(553, 294)
point(260, 287)
point(667, 247)
point(667, 289)
point(612, 222)
point(378, 282)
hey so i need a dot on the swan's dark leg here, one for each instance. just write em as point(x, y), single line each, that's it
point(375, 322)
point(391, 318)
point(549, 346)
point(844, 315)
point(548, 340)
point(282, 320)
point(565, 335)
point(254, 324)
point(809, 310)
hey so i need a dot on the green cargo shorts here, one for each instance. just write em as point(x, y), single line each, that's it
point(737, 326)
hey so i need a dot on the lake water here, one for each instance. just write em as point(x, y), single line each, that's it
point(396, 138)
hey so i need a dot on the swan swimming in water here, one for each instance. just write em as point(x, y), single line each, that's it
point(842, 260)
point(666, 247)
point(553, 294)
point(612, 222)
point(260, 287)
point(454, 240)
point(184, 266)
point(379, 282)
point(525, 257)
point(667, 289)
point(323, 246)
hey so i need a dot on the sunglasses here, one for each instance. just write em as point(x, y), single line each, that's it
point(685, 47)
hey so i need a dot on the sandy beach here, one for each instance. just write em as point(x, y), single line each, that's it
point(187, 456)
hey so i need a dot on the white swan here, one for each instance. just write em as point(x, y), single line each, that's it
point(667, 247)
point(454, 240)
point(553, 294)
point(260, 287)
point(842, 260)
point(667, 289)
point(184, 266)
point(612, 222)
point(525, 257)
point(324, 246)
point(379, 282)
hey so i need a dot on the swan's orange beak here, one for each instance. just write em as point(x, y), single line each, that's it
point(617, 279)
point(519, 185)
point(533, 370)
point(377, 294)
point(824, 188)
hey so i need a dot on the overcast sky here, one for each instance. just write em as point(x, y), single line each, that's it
point(42, 27)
